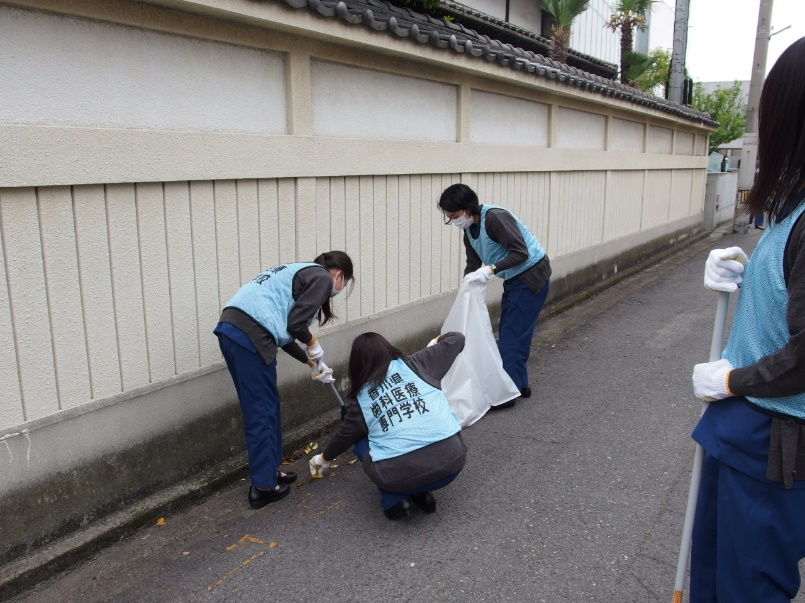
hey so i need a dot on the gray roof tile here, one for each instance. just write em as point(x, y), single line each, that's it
point(424, 29)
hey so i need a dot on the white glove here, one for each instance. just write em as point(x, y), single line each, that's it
point(322, 373)
point(723, 269)
point(710, 380)
point(318, 466)
point(482, 275)
point(314, 351)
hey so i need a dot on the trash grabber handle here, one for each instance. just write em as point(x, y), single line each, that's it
point(719, 327)
point(336, 394)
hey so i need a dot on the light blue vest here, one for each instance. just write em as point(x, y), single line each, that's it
point(404, 413)
point(268, 298)
point(491, 251)
point(760, 326)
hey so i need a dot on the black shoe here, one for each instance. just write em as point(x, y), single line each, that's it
point(260, 498)
point(425, 501)
point(525, 392)
point(290, 477)
point(398, 511)
point(508, 404)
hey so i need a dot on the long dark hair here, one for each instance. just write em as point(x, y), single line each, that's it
point(459, 197)
point(369, 361)
point(781, 137)
point(340, 261)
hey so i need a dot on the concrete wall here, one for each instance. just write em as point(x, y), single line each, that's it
point(720, 199)
point(157, 159)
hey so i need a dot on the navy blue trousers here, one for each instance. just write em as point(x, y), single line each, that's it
point(256, 384)
point(519, 311)
point(389, 499)
point(748, 537)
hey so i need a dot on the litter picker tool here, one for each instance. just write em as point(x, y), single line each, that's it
point(340, 401)
point(698, 458)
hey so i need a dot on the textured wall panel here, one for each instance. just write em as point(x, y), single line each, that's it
point(139, 78)
point(205, 262)
point(577, 210)
point(680, 194)
point(156, 285)
point(181, 276)
point(628, 135)
point(657, 198)
point(248, 229)
point(28, 295)
point(64, 295)
point(697, 192)
point(127, 286)
point(660, 140)
point(94, 260)
point(498, 119)
point(391, 106)
point(581, 130)
point(624, 203)
point(684, 143)
point(11, 412)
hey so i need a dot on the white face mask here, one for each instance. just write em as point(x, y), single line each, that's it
point(335, 291)
point(462, 222)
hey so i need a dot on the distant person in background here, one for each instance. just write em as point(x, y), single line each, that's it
point(749, 528)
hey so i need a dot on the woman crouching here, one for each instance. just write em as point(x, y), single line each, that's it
point(399, 422)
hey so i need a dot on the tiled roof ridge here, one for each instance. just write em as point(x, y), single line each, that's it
point(424, 29)
point(520, 31)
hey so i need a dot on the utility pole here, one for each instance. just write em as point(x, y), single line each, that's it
point(746, 174)
point(675, 89)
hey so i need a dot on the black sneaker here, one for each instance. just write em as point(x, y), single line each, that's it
point(425, 501)
point(398, 511)
point(525, 392)
point(260, 498)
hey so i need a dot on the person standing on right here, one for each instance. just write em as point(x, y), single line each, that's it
point(498, 243)
point(748, 531)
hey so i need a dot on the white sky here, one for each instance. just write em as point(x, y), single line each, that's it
point(721, 36)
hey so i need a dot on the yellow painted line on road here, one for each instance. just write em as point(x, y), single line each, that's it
point(240, 567)
point(332, 506)
point(245, 539)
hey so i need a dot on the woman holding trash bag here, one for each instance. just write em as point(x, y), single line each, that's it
point(498, 243)
point(275, 309)
point(399, 422)
point(749, 533)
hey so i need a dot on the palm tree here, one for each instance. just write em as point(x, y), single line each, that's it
point(564, 13)
point(629, 14)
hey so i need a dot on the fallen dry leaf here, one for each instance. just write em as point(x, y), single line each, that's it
point(352, 462)
point(161, 521)
point(272, 545)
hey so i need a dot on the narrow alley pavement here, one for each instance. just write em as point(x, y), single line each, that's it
point(575, 495)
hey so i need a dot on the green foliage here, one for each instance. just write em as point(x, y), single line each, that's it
point(727, 108)
point(654, 77)
point(639, 63)
point(629, 14)
point(564, 12)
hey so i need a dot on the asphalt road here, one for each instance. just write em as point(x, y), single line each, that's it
point(575, 495)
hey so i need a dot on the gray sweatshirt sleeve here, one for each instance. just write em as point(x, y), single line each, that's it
point(432, 363)
point(782, 373)
point(311, 290)
point(473, 260)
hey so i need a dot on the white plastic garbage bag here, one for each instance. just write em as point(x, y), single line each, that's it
point(476, 380)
